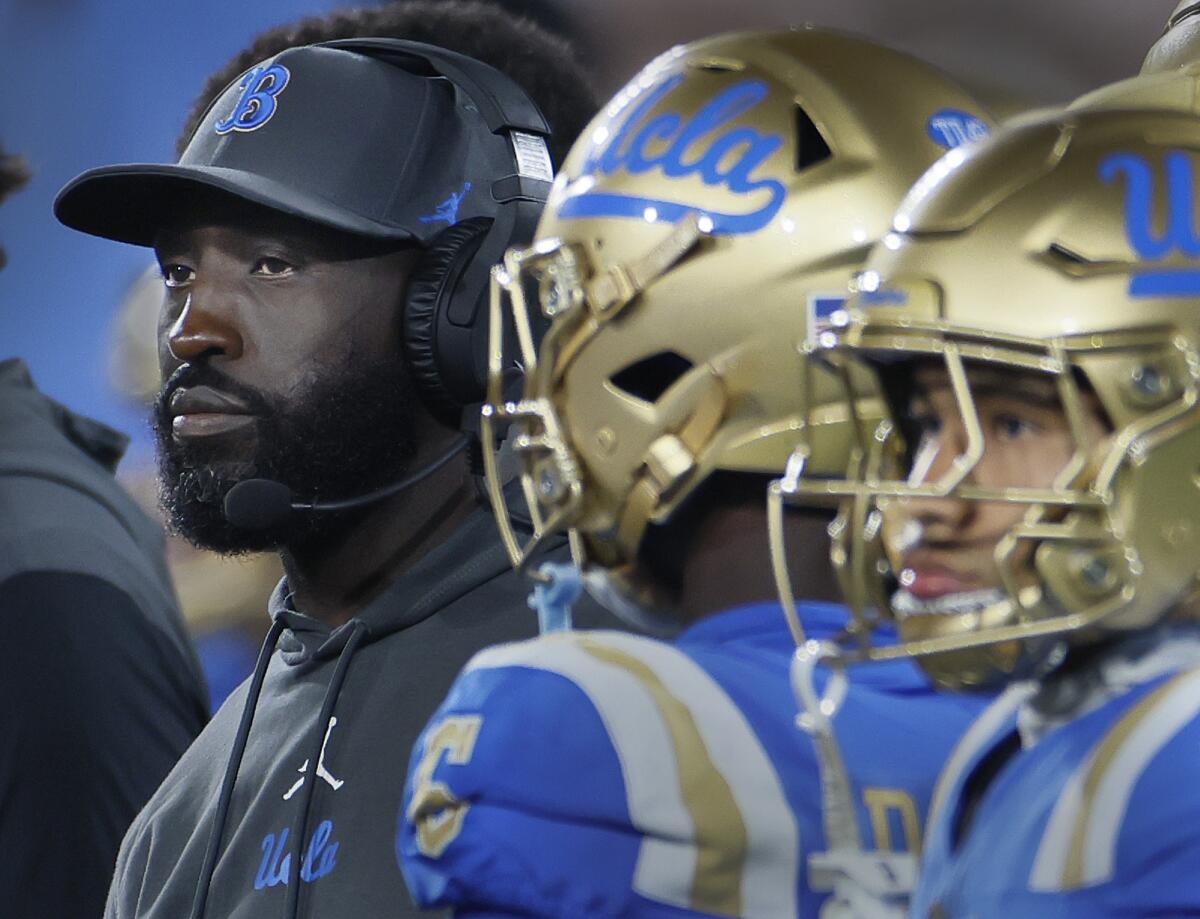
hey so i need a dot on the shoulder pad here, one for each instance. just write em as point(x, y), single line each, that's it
point(1084, 834)
point(601, 730)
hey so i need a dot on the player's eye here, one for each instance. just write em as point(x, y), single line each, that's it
point(176, 275)
point(1010, 426)
point(271, 267)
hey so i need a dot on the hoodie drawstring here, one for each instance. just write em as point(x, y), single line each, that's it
point(300, 824)
point(231, 770)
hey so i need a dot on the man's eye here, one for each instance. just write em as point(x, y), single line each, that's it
point(1009, 426)
point(272, 267)
point(175, 275)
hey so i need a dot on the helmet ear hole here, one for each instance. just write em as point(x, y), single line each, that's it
point(811, 146)
point(652, 376)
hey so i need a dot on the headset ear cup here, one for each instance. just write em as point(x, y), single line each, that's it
point(431, 288)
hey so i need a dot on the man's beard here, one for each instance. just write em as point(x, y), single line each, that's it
point(349, 432)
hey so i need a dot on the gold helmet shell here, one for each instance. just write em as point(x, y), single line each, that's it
point(711, 213)
point(1180, 41)
point(1065, 246)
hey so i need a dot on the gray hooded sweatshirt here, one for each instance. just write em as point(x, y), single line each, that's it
point(352, 700)
point(102, 692)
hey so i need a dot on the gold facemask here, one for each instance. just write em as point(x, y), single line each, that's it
point(1063, 248)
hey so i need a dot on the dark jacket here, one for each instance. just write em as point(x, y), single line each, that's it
point(102, 692)
point(354, 699)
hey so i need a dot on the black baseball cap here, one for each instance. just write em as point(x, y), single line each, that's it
point(335, 134)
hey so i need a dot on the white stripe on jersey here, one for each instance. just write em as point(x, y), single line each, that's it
point(981, 732)
point(769, 878)
point(1051, 860)
point(1174, 710)
point(643, 745)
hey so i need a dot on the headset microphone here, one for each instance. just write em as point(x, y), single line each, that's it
point(262, 504)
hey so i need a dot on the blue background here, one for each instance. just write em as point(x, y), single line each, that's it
point(87, 84)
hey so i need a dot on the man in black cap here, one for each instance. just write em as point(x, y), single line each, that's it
point(325, 241)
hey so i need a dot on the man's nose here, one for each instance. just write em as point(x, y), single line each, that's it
point(203, 328)
point(935, 460)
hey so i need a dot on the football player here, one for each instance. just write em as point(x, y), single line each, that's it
point(699, 229)
point(1033, 323)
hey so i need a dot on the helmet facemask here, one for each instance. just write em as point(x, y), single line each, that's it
point(578, 300)
point(1072, 567)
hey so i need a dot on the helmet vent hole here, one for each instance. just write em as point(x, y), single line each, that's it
point(811, 147)
point(652, 376)
point(719, 65)
point(1186, 12)
point(1063, 254)
point(1068, 261)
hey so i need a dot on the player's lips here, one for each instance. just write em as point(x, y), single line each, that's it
point(202, 411)
point(926, 578)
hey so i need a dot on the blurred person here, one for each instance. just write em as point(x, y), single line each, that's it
point(102, 690)
point(1033, 325)
point(325, 242)
point(13, 175)
point(701, 230)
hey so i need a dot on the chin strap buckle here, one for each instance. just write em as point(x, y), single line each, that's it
point(559, 586)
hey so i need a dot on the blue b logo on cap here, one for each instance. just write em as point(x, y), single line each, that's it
point(257, 102)
point(1179, 234)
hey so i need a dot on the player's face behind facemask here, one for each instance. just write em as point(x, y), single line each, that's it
point(1035, 482)
point(954, 554)
point(699, 228)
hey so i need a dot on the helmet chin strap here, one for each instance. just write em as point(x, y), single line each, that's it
point(602, 588)
point(863, 882)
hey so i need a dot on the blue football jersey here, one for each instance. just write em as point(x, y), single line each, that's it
point(605, 774)
point(1099, 818)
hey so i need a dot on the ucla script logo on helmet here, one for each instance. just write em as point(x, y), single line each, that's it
point(709, 145)
point(260, 91)
point(1180, 232)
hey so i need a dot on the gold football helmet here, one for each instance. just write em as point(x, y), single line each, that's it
point(711, 213)
point(1066, 248)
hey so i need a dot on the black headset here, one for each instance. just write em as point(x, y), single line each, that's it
point(444, 314)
